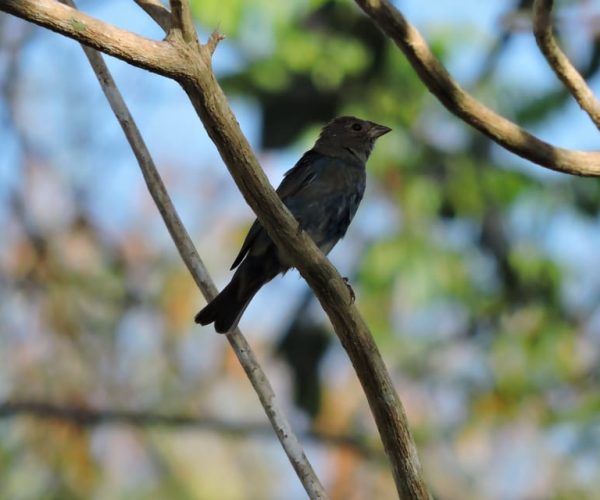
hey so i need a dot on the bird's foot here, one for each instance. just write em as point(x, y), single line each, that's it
point(350, 290)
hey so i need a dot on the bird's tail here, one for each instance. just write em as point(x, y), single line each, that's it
point(226, 309)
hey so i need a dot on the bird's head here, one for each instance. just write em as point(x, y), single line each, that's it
point(349, 137)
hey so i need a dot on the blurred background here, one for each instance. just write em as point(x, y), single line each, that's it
point(478, 272)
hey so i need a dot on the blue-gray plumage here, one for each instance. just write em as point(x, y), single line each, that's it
point(322, 192)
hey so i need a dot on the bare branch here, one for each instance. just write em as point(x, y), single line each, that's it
point(222, 127)
point(214, 111)
point(462, 104)
point(183, 20)
point(559, 62)
point(190, 256)
point(170, 60)
point(159, 57)
point(158, 12)
point(92, 417)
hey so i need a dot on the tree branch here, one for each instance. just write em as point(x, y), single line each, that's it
point(462, 104)
point(331, 291)
point(190, 256)
point(158, 12)
point(158, 57)
point(182, 20)
point(222, 127)
point(211, 105)
point(559, 62)
point(92, 417)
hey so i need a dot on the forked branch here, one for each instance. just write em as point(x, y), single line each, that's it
point(193, 71)
point(437, 79)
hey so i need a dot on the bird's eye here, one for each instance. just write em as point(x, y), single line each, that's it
point(357, 127)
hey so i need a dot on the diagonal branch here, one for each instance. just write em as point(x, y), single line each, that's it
point(559, 62)
point(330, 289)
point(158, 57)
point(182, 20)
point(158, 12)
point(504, 132)
point(190, 256)
point(221, 125)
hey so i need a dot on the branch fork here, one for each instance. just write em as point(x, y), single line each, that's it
point(192, 69)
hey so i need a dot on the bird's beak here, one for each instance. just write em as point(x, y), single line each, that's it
point(378, 130)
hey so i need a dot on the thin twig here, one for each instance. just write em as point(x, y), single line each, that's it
point(559, 62)
point(92, 417)
point(213, 41)
point(158, 12)
point(190, 256)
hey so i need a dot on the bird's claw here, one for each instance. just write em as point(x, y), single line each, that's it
point(350, 290)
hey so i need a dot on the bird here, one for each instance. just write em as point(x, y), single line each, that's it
point(322, 191)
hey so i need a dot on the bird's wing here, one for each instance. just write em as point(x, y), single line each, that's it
point(255, 229)
point(293, 181)
point(300, 175)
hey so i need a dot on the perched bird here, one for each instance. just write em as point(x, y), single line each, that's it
point(322, 191)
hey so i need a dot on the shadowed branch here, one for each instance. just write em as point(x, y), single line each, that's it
point(93, 417)
point(182, 20)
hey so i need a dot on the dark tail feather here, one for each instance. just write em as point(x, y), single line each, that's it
point(226, 309)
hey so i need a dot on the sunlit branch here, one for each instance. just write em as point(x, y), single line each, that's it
point(158, 57)
point(439, 82)
point(194, 73)
point(559, 62)
point(94, 417)
point(182, 19)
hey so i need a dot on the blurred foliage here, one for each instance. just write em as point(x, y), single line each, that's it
point(479, 282)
